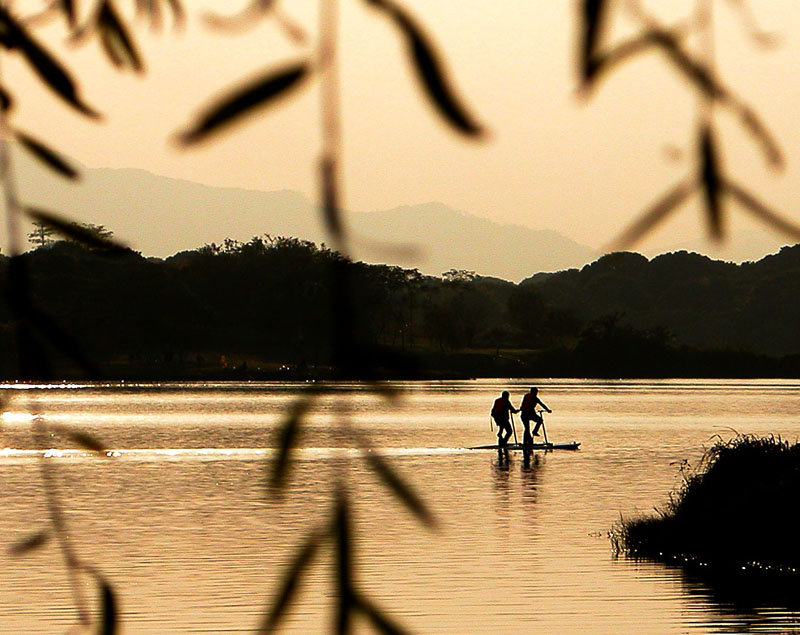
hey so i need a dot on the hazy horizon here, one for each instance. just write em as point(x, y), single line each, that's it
point(185, 215)
point(582, 168)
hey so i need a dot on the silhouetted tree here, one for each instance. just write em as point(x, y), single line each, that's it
point(41, 235)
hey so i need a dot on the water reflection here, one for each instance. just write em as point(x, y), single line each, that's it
point(179, 520)
point(532, 462)
point(503, 468)
point(744, 602)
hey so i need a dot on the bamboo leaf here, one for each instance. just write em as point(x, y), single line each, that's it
point(6, 101)
point(430, 70)
point(603, 63)
point(151, 9)
point(85, 440)
point(344, 563)
point(699, 75)
point(116, 40)
point(262, 91)
point(287, 439)
point(695, 71)
point(14, 36)
point(68, 6)
point(330, 198)
point(759, 36)
point(757, 208)
point(594, 14)
point(30, 543)
point(704, 79)
point(243, 19)
point(400, 488)
point(178, 14)
point(290, 582)
point(710, 180)
point(380, 620)
point(653, 215)
point(108, 607)
point(46, 155)
point(76, 232)
point(753, 124)
point(668, 41)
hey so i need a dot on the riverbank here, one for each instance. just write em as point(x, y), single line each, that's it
point(431, 365)
point(734, 515)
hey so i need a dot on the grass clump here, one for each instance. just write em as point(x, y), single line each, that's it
point(736, 510)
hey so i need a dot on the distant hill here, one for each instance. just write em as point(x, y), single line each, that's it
point(450, 239)
point(265, 306)
point(160, 216)
point(703, 303)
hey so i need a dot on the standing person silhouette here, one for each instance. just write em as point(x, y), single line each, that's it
point(528, 410)
point(502, 406)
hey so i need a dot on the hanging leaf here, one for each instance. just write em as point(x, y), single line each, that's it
point(400, 488)
point(757, 208)
point(330, 199)
point(593, 22)
point(604, 63)
point(85, 440)
point(287, 439)
point(109, 612)
point(6, 101)
point(241, 20)
point(68, 7)
point(178, 14)
point(30, 543)
point(380, 620)
point(14, 36)
point(79, 233)
point(653, 215)
point(344, 563)
point(429, 69)
point(263, 91)
point(150, 9)
point(291, 580)
point(701, 77)
point(699, 74)
point(116, 40)
point(760, 37)
point(753, 124)
point(46, 155)
point(710, 180)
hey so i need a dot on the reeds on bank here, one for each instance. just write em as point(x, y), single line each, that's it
point(736, 511)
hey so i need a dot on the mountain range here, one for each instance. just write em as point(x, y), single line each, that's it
point(160, 216)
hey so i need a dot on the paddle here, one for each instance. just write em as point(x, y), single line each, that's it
point(513, 428)
point(544, 430)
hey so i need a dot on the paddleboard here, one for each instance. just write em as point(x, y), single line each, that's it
point(573, 445)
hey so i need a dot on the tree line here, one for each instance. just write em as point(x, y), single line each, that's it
point(266, 308)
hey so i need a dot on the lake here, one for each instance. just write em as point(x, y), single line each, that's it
point(179, 520)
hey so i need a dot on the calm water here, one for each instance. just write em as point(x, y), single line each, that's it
point(179, 520)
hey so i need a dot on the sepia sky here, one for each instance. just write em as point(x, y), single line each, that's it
point(581, 167)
